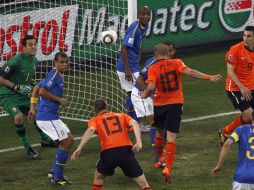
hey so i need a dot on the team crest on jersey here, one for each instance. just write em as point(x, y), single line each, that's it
point(7, 69)
point(49, 83)
point(131, 40)
point(230, 57)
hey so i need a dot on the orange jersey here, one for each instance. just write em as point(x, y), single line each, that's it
point(243, 60)
point(166, 75)
point(111, 129)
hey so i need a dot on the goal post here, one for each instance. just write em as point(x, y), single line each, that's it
point(132, 11)
point(72, 26)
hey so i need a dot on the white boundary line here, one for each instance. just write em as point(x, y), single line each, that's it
point(183, 121)
point(209, 116)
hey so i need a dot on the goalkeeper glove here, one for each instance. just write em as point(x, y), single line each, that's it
point(22, 89)
point(33, 83)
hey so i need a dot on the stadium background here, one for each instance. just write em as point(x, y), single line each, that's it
point(202, 31)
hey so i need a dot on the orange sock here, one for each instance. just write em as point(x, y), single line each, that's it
point(147, 188)
point(97, 187)
point(159, 145)
point(234, 124)
point(170, 154)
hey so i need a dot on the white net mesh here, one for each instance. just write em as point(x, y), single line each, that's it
point(73, 26)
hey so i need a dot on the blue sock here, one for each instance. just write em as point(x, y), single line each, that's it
point(59, 163)
point(152, 136)
point(130, 109)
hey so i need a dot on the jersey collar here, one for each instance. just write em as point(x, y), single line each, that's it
point(143, 27)
point(61, 74)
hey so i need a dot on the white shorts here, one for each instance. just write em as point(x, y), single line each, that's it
point(125, 84)
point(142, 107)
point(242, 186)
point(55, 129)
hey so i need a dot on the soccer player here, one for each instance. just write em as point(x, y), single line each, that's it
point(16, 78)
point(243, 177)
point(128, 62)
point(110, 127)
point(164, 78)
point(240, 81)
point(51, 90)
point(144, 107)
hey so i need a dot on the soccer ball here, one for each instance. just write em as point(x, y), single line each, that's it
point(109, 37)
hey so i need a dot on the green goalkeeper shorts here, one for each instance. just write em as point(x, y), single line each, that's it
point(14, 104)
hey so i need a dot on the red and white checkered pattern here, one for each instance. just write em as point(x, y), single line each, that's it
point(235, 6)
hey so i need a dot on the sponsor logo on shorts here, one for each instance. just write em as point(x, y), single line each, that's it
point(149, 107)
point(62, 132)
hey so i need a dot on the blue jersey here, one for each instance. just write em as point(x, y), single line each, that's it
point(144, 71)
point(244, 135)
point(132, 40)
point(47, 109)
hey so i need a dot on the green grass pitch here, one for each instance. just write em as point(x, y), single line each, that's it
point(197, 144)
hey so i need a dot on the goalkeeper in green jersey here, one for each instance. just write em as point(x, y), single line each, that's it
point(16, 81)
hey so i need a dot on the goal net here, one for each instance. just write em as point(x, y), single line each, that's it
point(72, 26)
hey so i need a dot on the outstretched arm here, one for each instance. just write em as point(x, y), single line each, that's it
point(196, 74)
point(87, 135)
point(223, 154)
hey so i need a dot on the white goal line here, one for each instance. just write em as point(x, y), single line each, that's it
point(183, 121)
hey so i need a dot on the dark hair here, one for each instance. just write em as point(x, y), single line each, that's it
point(168, 43)
point(249, 28)
point(60, 54)
point(28, 37)
point(99, 105)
